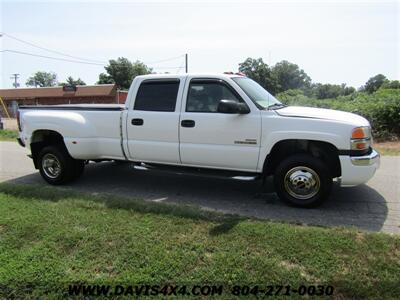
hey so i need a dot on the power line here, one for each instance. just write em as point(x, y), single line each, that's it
point(164, 60)
point(51, 57)
point(176, 67)
point(77, 57)
point(180, 67)
point(49, 50)
point(68, 60)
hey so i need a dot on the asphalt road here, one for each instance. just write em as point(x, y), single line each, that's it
point(374, 206)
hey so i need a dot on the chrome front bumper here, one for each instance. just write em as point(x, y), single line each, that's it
point(367, 160)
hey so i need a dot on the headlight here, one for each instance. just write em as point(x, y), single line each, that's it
point(360, 138)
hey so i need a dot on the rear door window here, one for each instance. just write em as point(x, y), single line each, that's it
point(157, 95)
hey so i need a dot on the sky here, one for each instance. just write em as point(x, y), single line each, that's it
point(332, 41)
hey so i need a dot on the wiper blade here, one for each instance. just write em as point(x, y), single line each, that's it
point(276, 105)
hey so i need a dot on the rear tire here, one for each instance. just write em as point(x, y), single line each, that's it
point(302, 180)
point(57, 167)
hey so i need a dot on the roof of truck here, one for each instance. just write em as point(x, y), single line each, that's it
point(226, 74)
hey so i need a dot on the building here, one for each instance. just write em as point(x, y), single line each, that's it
point(81, 94)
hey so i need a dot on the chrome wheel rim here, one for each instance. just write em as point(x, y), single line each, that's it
point(51, 166)
point(302, 183)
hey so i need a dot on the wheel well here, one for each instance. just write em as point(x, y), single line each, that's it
point(326, 151)
point(43, 138)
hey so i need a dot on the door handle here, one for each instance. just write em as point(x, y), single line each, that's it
point(137, 122)
point(187, 123)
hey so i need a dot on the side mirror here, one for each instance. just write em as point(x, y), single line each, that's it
point(232, 107)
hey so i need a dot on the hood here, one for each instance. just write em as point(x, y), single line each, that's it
point(322, 113)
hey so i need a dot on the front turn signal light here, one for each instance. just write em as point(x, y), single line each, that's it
point(360, 138)
point(360, 133)
point(362, 145)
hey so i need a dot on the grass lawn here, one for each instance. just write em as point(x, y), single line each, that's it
point(50, 238)
point(388, 148)
point(8, 135)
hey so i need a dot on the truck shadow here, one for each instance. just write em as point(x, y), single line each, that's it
point(361, 207)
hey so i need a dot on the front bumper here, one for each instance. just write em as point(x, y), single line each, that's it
point(358, 169)
point(367, 160)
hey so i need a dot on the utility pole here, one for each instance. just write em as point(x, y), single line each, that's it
point(15, 77)
point(186, 62)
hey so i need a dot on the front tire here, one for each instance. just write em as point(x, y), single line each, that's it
point(303, 180)
point(57, 167)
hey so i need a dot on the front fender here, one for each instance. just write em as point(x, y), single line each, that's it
point(272, 139)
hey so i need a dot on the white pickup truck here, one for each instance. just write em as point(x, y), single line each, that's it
point(205, 122)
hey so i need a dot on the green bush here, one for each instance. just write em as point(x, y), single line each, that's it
point(381, 108)
point(8, 135)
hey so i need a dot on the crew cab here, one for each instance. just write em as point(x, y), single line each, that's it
point(208, 122)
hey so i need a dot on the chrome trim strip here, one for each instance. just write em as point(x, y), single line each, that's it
point(366, 160)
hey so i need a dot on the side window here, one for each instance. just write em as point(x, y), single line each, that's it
point(204, 96)
point(157, 95)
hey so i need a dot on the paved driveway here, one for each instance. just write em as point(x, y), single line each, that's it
point(374, 206)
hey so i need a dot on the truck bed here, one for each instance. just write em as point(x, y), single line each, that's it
point(90, 131)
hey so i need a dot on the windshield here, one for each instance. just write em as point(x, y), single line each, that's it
point(257, 93)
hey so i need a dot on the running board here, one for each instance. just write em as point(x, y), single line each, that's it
point(199, 171)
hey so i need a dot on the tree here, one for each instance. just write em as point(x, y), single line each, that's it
point(42, 79)
point(122, 72)
point(393, 84)
point(292, 96)
point(290, 76)
point(347, 90)
point(326, 91)
point(259, 71)
point(71, 81)
point(374, 83)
